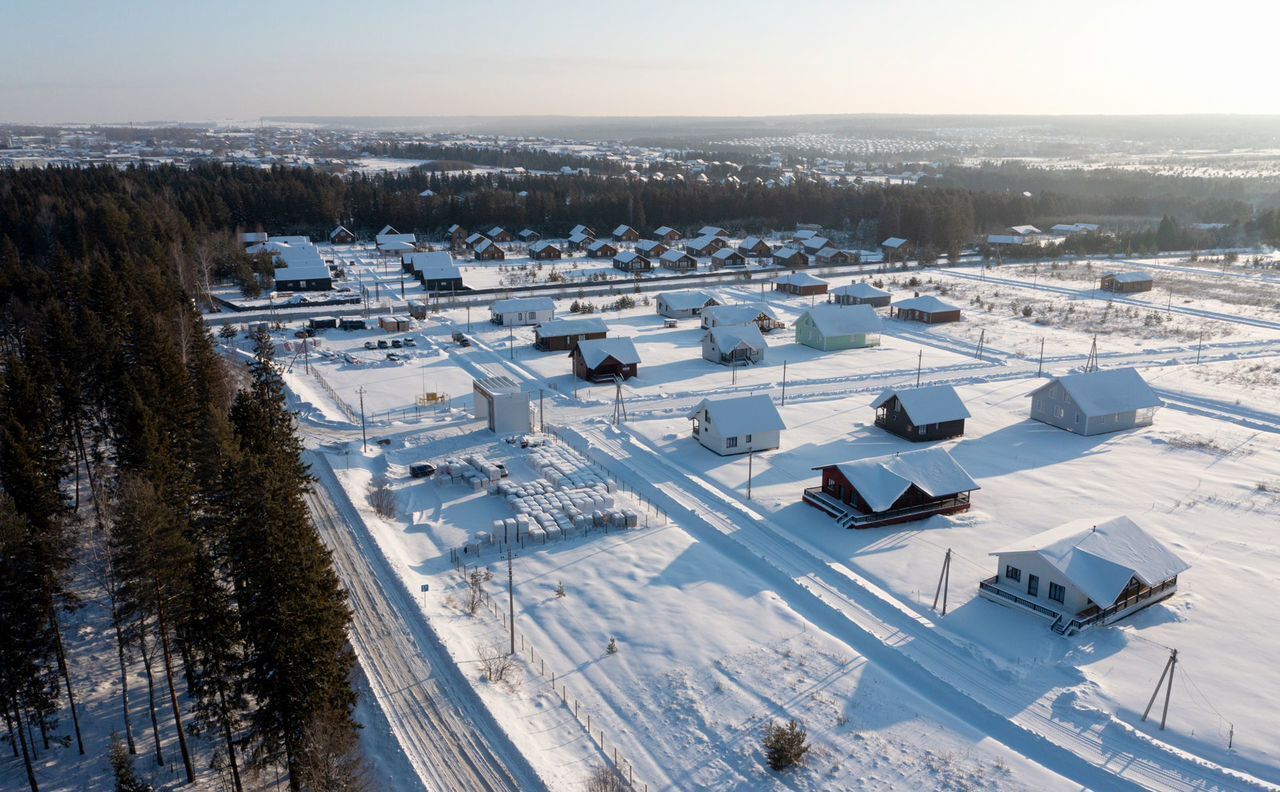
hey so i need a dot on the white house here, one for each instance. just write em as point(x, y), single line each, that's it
point(522, 311)
point(1084, 573)
point(1096, 402)
point(731, 345)
point(759, 314)
point(683, 304)
point(737, 425)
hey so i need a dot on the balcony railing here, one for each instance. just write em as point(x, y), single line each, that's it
point(849, 517)
point(1086, 618)
point(989, 585)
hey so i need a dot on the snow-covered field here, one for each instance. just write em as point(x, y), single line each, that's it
point(729, 612)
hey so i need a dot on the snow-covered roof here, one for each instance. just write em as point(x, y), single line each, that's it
point(726, 253)
point(1129, 277)
point(816, 243)
point(928, 405)
point(580, 229)
point(685, 300)
point(426, 193)
point(475, 237)
point(742, 313)
point(599, 245)
point(804, 233)
point(292, 241)
point(339, 230)
point(829, 252)
point(300, 263)
point(664, 230)
point(711, 231)
point(799, 279)
point(1004, 239)
point(383, 239)
point(786, 252)
point(893, 242)
point(862, 291)
point(741, 415)
point(727, 337)
point(926, 303)
point(751, 242)
point(484, 245)
point(495, 231)
point(541, 245)
point(522, 304)
point(1024, 230)
point(434, 265)
point(454, 228)
point(247, 237)
point(673, 255)
point(595, 351)
point(565, 327)
point(1100, 556)
point(578, 237)
point(622, 230)
point(396, 244)
point(646, 245)
point(628, 256)
point(1107, 392)
point(882, 480)
point(702, 241)
point(1074, 228)
point(386, 229)
point(841, 320)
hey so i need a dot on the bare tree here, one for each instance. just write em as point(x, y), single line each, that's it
point(475, 591)
point(497, 665)
point(382, 498)
point(605, 779)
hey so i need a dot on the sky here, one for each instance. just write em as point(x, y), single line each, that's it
point(130, 60)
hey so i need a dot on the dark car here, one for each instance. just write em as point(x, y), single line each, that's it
point(396, 343)
point(382, 344)
point(422, 470)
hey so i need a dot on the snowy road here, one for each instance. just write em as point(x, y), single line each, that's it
point(904, 644)
point(447, 734)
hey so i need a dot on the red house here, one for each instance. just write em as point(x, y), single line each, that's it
point(896, 488)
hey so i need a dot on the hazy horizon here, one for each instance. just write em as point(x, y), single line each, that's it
point(143, 61)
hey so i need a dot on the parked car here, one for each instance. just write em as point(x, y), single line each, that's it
point(370, 345)
point(460, 339)
point(396, 343)
point(393, 356)
point(409, 342)
point(382, 343)
point(422, 470)
point(502, 469)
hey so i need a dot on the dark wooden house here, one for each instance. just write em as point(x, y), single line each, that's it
point(884, 490)
point(488, 250)
point(605, 359)
point(934, 412)
point(667, 234)
point(528, 235)
point(790, 257)
point(601, 249)
point(625, 233)
point(927, 309)
point(1126, 282)
point(561, 335)
point(341, 236)
point(755, 247)
point(544, 251)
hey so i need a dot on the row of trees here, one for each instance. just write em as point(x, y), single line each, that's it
point(147, 484)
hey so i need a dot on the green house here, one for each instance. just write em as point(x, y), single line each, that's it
point(831, 327)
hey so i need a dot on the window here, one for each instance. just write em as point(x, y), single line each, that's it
point(731, 442)
point(1057, 593)
point(1012, 572)
point(1033, 585)
point(747, 440)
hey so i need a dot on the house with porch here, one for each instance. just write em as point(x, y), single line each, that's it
point(584, 230)
point(605, 359)
point(579, 241)
point(734, 345)
point(834, 327)
point(737, 425)
point(560, 335)
point(1085, 573)
point(896, 488)
point(759, 314)
point(932, 412)
point(1096, 402)
point(683, 304)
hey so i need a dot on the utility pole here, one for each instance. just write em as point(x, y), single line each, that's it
point(468, 317)
point(364, 438)
point(784, 383)
point(511, 601)
point(541, 423)
point(1040, 365)
point(306, 359)
point(944, 583)
point(982, 341)
point(1199, 346)
point(511, 343)
point(750, 459)
point(1092, 363)
point(919, 366)
point(1169, 668)
point(1169, 308)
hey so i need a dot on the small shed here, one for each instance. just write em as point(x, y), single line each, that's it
point(677, 260)
point(543, 250)
point(737, 425)
point(755, 247)
point(759, 314)
point(631, 261)
point(1096, 402)
point(560, 335)
point(683, 304)
point(895, 488)
point(831, 327)
point(860, 294)
point(1085, 573)
point(1126, 282)
point(501, 404)
point(417, 309)
point(801, 283)
point(790, 257)
point(932, 412)
point(927, 309)
point(394, 324)
point(352, 323)
point(322, 322)
point(522, 311)
point(625, 233)
point(601, 249)
point(605, 359)
point(733, 345)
